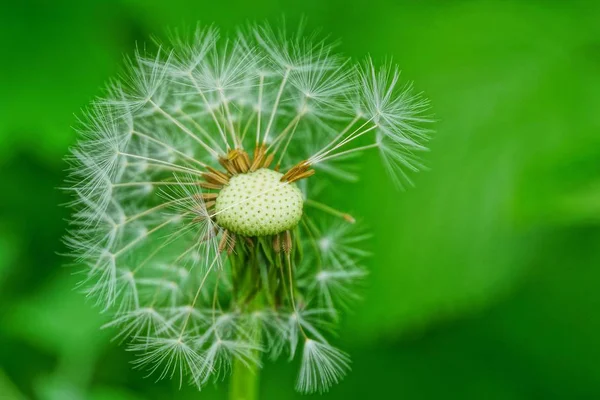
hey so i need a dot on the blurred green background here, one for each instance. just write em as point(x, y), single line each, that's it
point(485, 282)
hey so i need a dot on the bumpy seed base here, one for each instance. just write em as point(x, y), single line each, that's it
point(275, 211)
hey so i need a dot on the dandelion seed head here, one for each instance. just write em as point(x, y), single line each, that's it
point(196, 190)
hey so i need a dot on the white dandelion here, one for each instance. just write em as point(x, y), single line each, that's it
point(190, 183)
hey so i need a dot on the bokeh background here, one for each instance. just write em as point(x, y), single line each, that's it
point(485, 283)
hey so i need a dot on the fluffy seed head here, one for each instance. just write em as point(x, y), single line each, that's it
point(196, 213)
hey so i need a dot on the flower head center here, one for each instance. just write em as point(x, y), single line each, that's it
point(259, 204)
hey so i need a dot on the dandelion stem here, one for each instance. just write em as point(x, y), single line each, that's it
point(245, 376)
point(244, 381)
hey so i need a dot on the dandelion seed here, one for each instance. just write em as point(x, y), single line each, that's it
point(139, 323)
point(218, 358)
point(322, 366)
point(336, 286)
point(197, 212)
point(170, 356)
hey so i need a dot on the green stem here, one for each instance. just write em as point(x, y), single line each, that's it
point(244, 382)
point(245, 377)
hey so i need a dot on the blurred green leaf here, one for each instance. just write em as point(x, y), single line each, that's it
point(462, 238)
